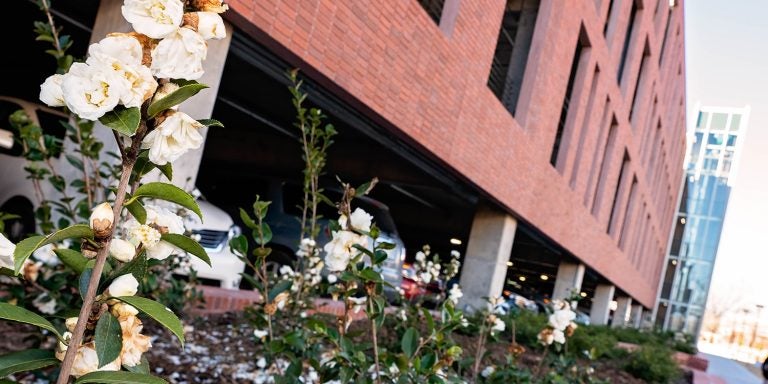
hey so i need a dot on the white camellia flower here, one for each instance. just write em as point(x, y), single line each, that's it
point(159, 221)
point(87, 361)
point(498, 325)
point(561, 318)
point(179, 56)
point(70, 323)
point(6, 252)
point(123, 53)
point(210, 25)
point(420, 256)
point(359, 219)
point(558, 336)
point(488, 371)
point(175, 135)
point(154, 18)
point(340, 250)
point(260, 334)
point(122, 250)
point(134, 343)
point(50, 91)
point(332, 279)
point(91, 91)
point(120, 47)
point(125, 285)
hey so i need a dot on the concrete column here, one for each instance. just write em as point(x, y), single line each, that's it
point(110, 19)
point(601, 304)
point(621, 316)
point(569, 278)
point(636, 318)
point(488, 250)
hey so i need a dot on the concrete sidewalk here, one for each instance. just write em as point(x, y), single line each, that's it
point(725, 371)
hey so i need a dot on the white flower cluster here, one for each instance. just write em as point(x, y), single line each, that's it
point(560, 324)
point(426, 270)
point(6, 252)
point(134, 343)
point(454, 294)
point(123, 68)
point(341, 249)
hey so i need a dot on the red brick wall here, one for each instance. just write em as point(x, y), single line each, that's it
point(430, 85)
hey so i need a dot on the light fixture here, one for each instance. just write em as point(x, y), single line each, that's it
point(614, 305)
point(674, 262)
point(682, 220)
point(509, 264)
point(455, 241)
point(544, 277)
point(522, 278)
point(583, 294)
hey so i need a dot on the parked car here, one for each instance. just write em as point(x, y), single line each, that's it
point(214, 235)
point(515, 301)
point(284, 216)
point(17, 195)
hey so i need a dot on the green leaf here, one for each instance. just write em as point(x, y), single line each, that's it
point(137, 210)
point(72, 259)
point(108, 339)
point(159, 312)
point(21, 315)
point(264, 236)
point(25, 247)
point(370, 275)
point(279, 288)
point(137, 267)
point(167, 192)
point(247, 219)
point(188, 245)
point(123, 120)
point(142, 367)
point(185, 91)
point(166, 170)
point(27, 360)
point(410, 341)
point(85, 280)
point(110, 377)
point(239, 244)
point(211, 123)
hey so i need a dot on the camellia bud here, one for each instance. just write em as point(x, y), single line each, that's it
point(125, 285)
point(122, 250)
point(70, 323)
point(101, 220)
point(120, 310)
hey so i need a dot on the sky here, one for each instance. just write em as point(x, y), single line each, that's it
point(727, 65)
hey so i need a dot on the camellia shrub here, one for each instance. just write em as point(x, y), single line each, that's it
point(132, 83)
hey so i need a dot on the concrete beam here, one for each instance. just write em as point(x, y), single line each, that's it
point(601, 304)
point(569, 278)
point(621, 315)
point(488, 250)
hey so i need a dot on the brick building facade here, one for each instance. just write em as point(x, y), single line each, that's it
point(590, 151)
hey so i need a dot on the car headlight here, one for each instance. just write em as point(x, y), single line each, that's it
point(234, 231)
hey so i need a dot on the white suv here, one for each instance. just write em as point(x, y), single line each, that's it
point(17, 195)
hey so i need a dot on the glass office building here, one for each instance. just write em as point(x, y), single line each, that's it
point(714, 145)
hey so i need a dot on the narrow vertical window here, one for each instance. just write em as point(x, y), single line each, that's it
point(666, 32)
point(627, 39)
point(434, 9)
point(512, 47)
point(609, 144)
point(608, 18)
point(628, 215)
point(615, 206)
point(581, 44)
point(639, 81)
